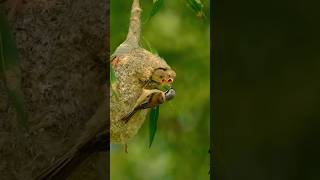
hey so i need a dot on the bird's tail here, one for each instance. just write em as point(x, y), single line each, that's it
point(127, 117)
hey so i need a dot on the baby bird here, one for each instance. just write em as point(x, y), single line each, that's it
point(160, 77)
point(150, 99)
point(163, 76)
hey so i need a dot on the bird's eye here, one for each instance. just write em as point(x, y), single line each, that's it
point(162, 80)
point(170, 80)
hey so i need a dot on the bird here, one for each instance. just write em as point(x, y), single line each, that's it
point(160, 77)
point(154, 99)
point(163, 75)
point(149, 101)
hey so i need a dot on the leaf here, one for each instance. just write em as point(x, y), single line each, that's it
point(157, 4)
point(154, 115)
point(10, 70)
point(197, 7)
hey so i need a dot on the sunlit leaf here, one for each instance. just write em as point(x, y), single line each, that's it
point(157, 4)
point(154, 115)
point(10, 70)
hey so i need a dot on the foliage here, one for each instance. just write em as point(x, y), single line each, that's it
point(197, 7)
point(154, 115)
point(157, 4)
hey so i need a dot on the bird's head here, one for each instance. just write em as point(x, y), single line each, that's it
point(163, 76)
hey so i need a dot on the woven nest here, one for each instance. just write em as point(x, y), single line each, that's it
point(131, 69)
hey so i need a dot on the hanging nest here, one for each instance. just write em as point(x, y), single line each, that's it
point(134, 67)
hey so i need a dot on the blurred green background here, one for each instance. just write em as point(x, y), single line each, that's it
point(180, 148)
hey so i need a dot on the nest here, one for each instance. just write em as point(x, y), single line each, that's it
point(131, 69)
point(133, 66)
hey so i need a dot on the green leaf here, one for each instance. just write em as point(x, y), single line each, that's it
point(154, 115)
point(10, 70)
point(157, 4)
point(197, 7)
